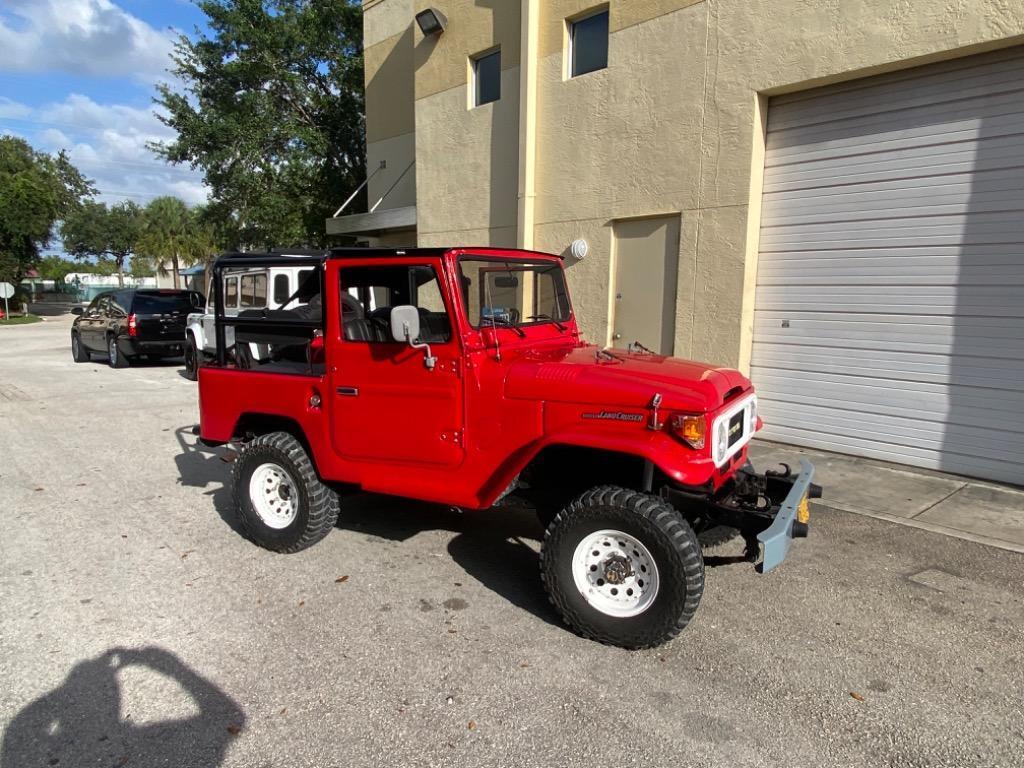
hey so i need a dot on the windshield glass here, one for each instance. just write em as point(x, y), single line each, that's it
point(506, 292)
point(165, 303)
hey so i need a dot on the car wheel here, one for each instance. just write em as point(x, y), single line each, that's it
point(116, 359)
point(623, 567)
point(716, 536)
point(78, 351)
point(191, 359)
point(280, 501)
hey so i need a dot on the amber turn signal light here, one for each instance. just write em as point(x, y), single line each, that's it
point(691, 429)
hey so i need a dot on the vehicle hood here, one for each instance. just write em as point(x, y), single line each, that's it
point(582, 375)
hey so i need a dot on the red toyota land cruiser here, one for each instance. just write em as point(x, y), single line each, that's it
point(458, 376)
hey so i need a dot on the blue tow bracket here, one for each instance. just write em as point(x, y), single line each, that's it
point(777, 537)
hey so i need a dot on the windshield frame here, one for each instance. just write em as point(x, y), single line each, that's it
point(517, 261)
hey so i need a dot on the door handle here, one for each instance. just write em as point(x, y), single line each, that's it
point(348, 391)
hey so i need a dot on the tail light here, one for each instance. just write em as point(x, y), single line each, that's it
point(133, 325)
point(691, 429)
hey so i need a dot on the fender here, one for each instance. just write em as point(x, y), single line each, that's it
point(667, 455)
point(194, 325)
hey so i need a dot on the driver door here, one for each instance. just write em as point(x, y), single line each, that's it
point(386, 405)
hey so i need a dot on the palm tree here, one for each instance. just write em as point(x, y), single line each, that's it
point(172, 232)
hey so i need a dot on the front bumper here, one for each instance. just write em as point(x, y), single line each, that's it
point(776, 538)
point(764, 508)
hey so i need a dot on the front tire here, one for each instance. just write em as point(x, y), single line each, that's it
point(623, 567)
point(78, 351)
point(280, 502)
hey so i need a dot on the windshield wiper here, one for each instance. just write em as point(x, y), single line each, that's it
point(561, 327)
point(497, 320)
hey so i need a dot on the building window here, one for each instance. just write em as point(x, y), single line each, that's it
point(487, 78)
point(588, 43)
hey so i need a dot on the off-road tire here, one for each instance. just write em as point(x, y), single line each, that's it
point(78, 350)
point(191, 359)
point(114, 355)
point(318, 506)
point(671, 542)
point(716, 536)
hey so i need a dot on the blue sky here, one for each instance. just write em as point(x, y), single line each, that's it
point(79, 75)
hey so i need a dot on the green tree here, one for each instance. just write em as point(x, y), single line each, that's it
point(96, 231)
point(55, 268)
point(271, 108)
point(36, 191)
point(171, 232)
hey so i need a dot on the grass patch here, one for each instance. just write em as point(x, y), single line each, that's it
point(19, 320)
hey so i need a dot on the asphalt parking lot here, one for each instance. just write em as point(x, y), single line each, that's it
point(138, 628)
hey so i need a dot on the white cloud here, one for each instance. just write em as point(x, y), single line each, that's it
point(13, 109)
point(109, 144)
point(90, 37)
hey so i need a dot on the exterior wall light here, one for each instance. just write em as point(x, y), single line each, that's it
point(431, 22)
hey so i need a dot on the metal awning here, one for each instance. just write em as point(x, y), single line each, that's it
point(198, 269)
point(376, 223)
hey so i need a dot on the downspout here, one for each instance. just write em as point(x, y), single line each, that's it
point(530, 26)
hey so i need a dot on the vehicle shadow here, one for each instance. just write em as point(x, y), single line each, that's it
point(200, 466)
point(491, 546)
point(80, 722)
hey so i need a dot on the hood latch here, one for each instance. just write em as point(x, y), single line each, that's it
point(655, 421)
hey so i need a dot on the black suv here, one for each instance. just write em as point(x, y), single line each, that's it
point(126, 323)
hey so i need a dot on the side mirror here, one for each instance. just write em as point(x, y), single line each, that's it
point(405, 328)
point(77, 311)
point(405, 324)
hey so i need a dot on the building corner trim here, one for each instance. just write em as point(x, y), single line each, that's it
point(527, 192)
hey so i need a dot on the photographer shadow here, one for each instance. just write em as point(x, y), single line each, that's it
point(81, 723)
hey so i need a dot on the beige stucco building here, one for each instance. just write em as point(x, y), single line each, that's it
point(720, 137)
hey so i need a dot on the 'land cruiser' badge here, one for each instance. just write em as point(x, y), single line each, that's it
point(614, 416)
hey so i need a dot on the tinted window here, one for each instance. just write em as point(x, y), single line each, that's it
point(163, 303)
point(513, 292)
point(589, 43)
point(281, 291)
point(120, 302)
point(369, 293)
point(487, 77)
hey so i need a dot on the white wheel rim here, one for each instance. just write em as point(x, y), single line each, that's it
point(274, 495)
point(615, 573)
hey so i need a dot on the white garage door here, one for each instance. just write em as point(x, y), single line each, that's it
point(889, 315)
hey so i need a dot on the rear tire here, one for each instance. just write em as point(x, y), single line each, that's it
point(280, 502)
point(114, 356)
point(645, 582)
point(191, 359)
point(78, 350)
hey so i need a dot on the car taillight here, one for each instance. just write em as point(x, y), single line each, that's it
point(133, 325)
point(691, 429)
